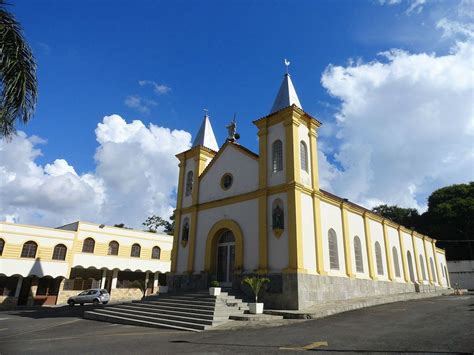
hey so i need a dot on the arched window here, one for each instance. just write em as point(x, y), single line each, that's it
point(29, 249)
point(422, 266)
point(59, 252)
point(278, 219)
point(378, 258)
point(113, 248)
point(185, 231)
point(2, 245)
point(88, 245)
point(333, 255)
point(156, 253)
point(189, 183)
point(136, 249)
point(277, 156)
point(433, 272)
point(358, 254)
point(304, 156)
point(395, 262)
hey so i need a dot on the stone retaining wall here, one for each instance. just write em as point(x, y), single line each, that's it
point(125, 294)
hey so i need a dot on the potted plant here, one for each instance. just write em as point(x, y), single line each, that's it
point(214, 290)
point(255, 284)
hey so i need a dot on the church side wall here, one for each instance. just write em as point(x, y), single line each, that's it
point(394, 242)
point(189, 166)
point(331, 218)
point(275, 132)
point(376, 231)
point(277, 246)
point(309, 249)
point(245, 214)
point(182, 263)
point(356, 228)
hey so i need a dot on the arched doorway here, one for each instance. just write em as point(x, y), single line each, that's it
point(225, 262)
point(410, 267)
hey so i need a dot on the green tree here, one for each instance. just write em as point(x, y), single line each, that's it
point(17, 75)
point(408, 217)
point(154, 222)
point(450, 219)
point(255, 284)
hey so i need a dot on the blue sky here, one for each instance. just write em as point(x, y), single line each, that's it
point(228, 57)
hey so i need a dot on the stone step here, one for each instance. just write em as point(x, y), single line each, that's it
point(178, 304)
point(150, 310)
point(173, 308)
point(134, 313)
point(163, 321)
point(186, 301)
point(130, 321)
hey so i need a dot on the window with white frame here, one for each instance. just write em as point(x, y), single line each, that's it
point(304, 156)
point(277, 156)
point(378, 258)
point(358, 254)
point(333, 253)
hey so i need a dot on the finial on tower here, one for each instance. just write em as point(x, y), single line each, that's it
point(206, 112)
point(287, 64)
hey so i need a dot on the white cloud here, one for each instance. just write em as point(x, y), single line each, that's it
point(141, 104)
point(159, 89)
point(414, 6)
point(136, 175)
point(452, 28)
point(405, 126)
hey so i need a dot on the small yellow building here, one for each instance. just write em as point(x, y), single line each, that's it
point(45, 266)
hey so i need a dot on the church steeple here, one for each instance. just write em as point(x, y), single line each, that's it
point(205, 136)
point(287, 94)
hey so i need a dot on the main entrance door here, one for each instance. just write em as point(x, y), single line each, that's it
point(225, 258)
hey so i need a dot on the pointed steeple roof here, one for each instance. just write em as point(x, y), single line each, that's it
point(286, 95)
point(205, 136)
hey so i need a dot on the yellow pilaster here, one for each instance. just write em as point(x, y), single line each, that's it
point(416, 256)
point(295, 243)
point(347, 243)
point(404, 256)
point(263, 202)
point(313, 146)
point(318, 232)
point(199, 165)
point(368, 243)
point(428, 265)
point(318, 235)
point(387, 251)
point(177, 224)
point(438, 270)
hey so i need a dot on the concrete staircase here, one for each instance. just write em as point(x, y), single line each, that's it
point(194, 311)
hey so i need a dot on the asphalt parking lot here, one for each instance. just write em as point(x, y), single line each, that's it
point(434, 325)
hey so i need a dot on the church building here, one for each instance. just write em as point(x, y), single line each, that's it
point(240, 213)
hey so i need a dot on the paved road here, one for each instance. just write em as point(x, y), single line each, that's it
point(438, 325)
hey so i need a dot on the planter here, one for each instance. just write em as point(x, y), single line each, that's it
point(255, 308)
point(162, 289)
point(214, 291)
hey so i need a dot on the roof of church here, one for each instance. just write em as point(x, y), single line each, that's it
point(286, 95)
point(205, 136)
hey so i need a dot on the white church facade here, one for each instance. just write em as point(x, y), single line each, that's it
point(239, 213)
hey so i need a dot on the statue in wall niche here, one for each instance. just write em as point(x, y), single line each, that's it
point(278, 220)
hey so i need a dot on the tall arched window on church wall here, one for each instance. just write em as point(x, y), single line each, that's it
point(185, 231)
point(395, 262)
point(59, 252)
point(410, 267)
point(189, 183)
point(277, 156)
point(278, 216)
point(2, 245)
point(29, 249)
point(422, 266)
point(136, 250)
point(433, 272)
point(88, 245)
point(378, 258)
point(333, 253)
point(304, 156)
point(358, 254)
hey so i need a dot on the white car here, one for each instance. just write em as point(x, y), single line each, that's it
point(93, 295)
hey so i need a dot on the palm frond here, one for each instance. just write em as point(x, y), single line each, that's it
point(17, 75)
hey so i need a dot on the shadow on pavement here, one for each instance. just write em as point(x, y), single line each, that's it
point(52, 312)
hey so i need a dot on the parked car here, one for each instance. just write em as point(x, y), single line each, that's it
point(93, 295)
